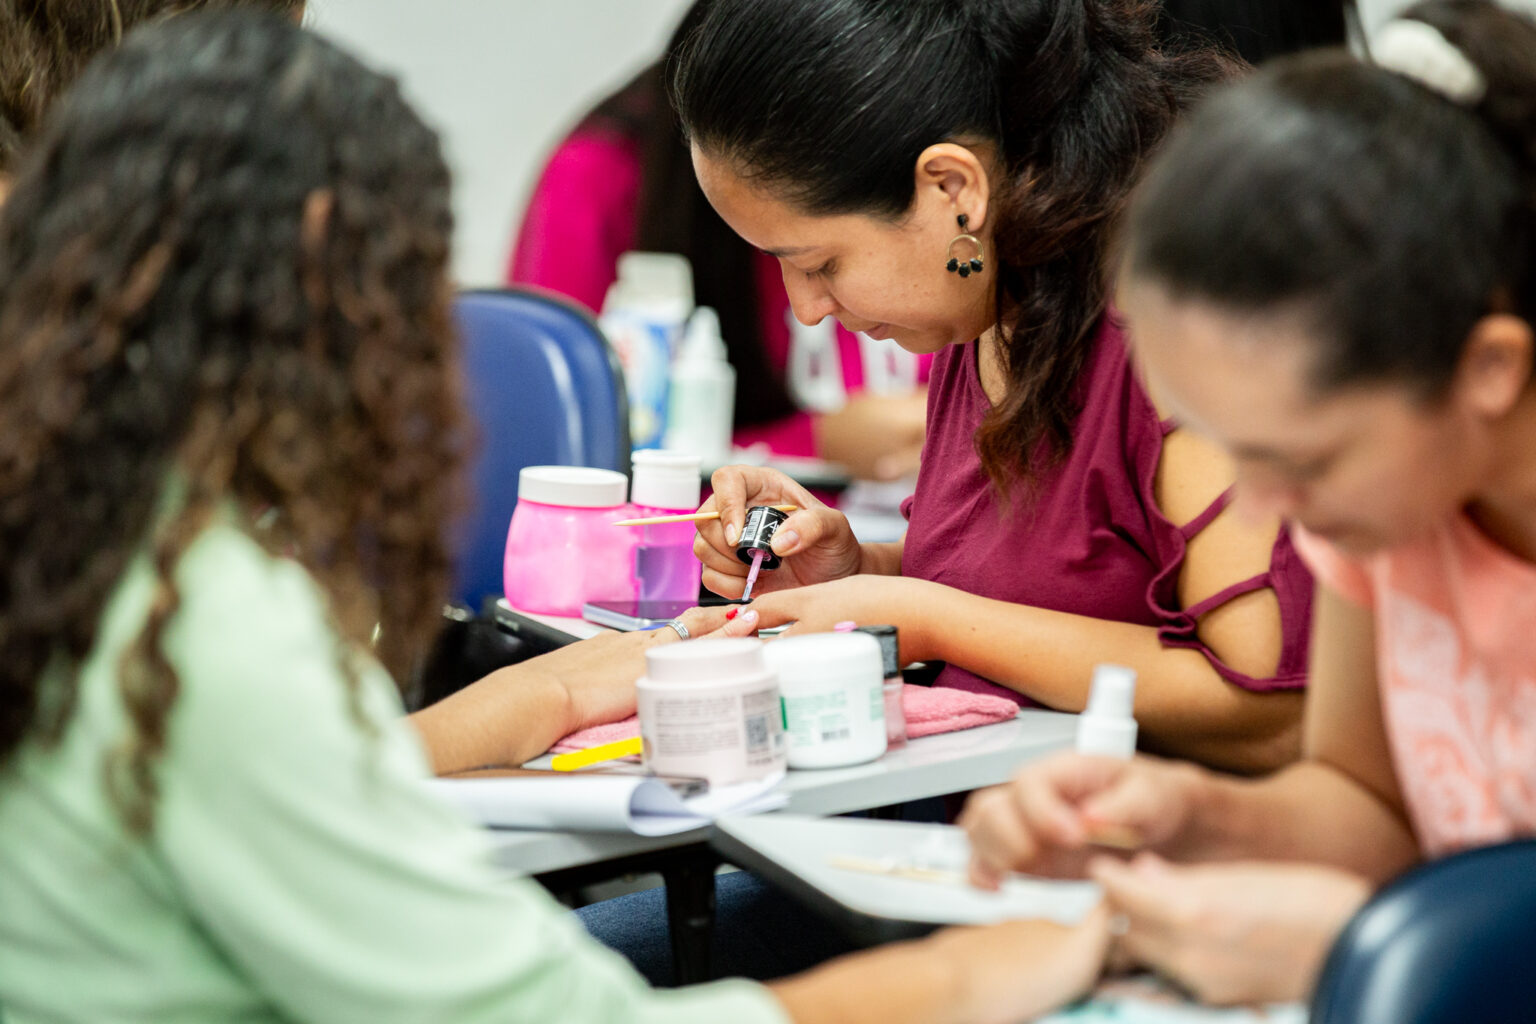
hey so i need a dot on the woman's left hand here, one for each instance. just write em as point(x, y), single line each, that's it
point(1243, 932)
point(866, 599)
point(516, 713)
point(600, 673)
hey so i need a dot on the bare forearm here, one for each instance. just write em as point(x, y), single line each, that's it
point(1308, 812)
point(509, 717)
point(880, 559)
point(1183, 706)
point(891, 985)
point(1005, 972)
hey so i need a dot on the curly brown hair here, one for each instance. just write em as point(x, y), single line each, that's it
point(45, 44)
point(223, 276)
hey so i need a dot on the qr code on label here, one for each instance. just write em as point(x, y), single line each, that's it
point(757, 733)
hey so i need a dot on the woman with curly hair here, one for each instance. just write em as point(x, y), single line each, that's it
point(229, 431)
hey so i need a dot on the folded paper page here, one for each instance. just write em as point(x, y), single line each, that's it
point(642, 804)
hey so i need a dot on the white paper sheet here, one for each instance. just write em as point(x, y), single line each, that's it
point(812, 848)
point(640, 804)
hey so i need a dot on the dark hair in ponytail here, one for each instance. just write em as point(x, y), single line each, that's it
point(830, 103)
point(1384, 215)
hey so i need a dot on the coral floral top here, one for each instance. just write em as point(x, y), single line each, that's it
point(1456, 668)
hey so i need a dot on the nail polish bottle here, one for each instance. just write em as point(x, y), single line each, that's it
point(895, 717)
point(763, 521)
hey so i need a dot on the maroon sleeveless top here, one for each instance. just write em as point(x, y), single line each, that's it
point(1091, 540)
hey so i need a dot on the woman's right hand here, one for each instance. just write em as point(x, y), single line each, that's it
point(1019, 970)
point(1058, 812)
point(815, 542)
point(989, 974)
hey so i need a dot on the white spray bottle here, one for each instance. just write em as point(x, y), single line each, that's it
point(1107, 728)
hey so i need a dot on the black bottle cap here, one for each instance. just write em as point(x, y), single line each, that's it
point(763, 521)
point(890, 651)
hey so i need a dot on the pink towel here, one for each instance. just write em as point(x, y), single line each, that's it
point(934, 709)
point(596, 736)
point(929, 711)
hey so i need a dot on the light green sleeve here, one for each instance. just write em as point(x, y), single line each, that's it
point(317, 860)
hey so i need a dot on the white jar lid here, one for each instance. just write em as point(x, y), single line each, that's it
point(666, 479)
point(571, 486)
point(834, 657)
point(720, 659)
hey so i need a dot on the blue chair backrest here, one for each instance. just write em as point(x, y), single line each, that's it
point(544, 389)
point(1454, 940)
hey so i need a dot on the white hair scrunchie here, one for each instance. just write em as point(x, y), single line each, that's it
point(1419, 51)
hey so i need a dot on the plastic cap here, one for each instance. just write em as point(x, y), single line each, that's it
point(703, 342)
point(820, 655)
point(665, 479)
point(571, 486)
point(710, 660)
point(614, 297)
point(656, 276)
point(1114, 691)
point(890, 655)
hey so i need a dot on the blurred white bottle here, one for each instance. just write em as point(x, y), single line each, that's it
point(815, 366)
point(643, 317)
point(889, 369)
point(1107, 727)
point(701, 402)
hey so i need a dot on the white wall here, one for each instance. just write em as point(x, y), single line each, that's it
point(501, 80)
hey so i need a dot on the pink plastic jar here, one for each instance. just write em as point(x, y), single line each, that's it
point(562, 547)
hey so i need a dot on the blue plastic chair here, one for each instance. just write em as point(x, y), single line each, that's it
point(545, 389)
point(1451, 941)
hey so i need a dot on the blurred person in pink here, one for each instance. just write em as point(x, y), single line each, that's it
point(623, 180)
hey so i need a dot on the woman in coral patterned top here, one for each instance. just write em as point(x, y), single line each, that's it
point(1333, 274)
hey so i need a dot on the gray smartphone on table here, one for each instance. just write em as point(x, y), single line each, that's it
point(634, 615)
point(629, 616)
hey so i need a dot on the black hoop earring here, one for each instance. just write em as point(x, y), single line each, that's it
point(965, 268)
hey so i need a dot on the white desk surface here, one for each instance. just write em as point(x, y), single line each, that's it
point(931, 766)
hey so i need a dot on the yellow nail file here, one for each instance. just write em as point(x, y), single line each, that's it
point(593, 755)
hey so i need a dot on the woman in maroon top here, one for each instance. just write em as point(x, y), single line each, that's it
point(1058, 520)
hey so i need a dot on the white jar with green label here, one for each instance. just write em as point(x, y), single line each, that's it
point(830, 687)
